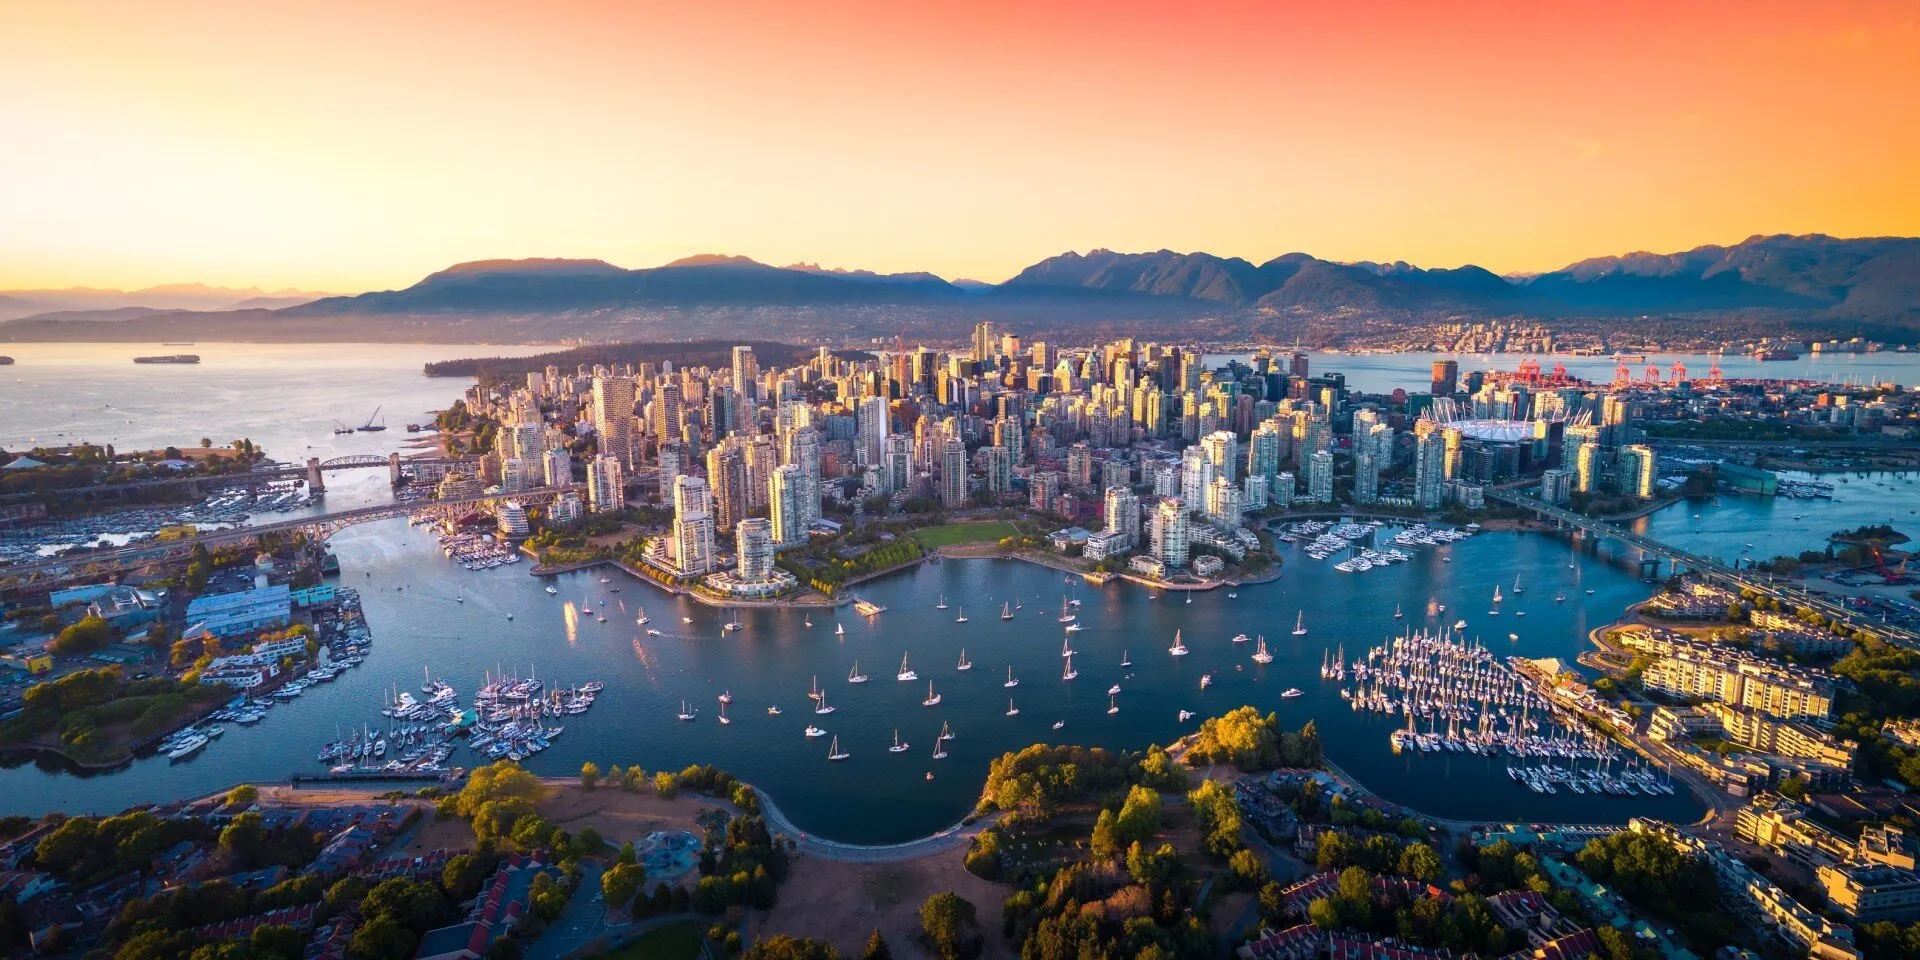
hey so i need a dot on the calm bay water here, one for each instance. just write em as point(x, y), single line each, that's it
point(428, 614)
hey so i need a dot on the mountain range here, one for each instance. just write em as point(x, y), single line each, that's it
point(104, 304)
point(1810, 282)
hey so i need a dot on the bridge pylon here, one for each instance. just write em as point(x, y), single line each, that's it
point(393, 468)
point(316, 482)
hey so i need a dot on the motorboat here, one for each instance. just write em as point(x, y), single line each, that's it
point(813, 731)
point(1292, 692)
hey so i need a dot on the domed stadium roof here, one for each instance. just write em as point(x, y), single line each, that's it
point(1496, 431)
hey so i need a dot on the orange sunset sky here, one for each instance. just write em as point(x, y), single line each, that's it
point(347, 146)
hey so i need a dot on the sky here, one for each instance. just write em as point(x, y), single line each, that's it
point(347, 146)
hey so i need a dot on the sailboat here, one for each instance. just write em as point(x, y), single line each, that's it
point(1396, 612)
point(686, 713)
point(946, 730)
point(1496, 603)
point(854, 675)
point(964, 663)
point(942, 605)
point(1012, 711)
point(897, 747)
point(1012, 681)
point(1126, 660)
point(1069, 672)
point(1260, 654)
point(1516, 585)
point(823, 709)
point(940, 746)
point(1066, 649)
point(839, 630)
point(1189, 596)
point(905, 673)
point(1300, 624)
point(1066, 614)
point(642, 619)
point(723, 714)
point(1006, 612)
point(933, 699)
point(835, 753)
point(962, 618)
point(1113, 705)
point(814, 694)
point(1179, 648)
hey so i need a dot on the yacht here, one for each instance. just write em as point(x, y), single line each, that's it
point(773, 710)
point(964, 663)
point(814, 694)
point(1114, 689)
point(686, 619)
point(1241, 638)
point(1260, 654)
point(933, 699)
point(1292, 692)
point(906, 673)
point(823, 709)
point(1206, 680)
point(1057, 724)
point(1068, 673)
point(1012, 681)
point(962, 618)
point(813, 731)
point(835, 753)
point(552, 590)
point(1516, 585)
point(1186, 715)
point(1178, 649)
point(1074, 628)
point(1113, 706)
point(1460, 624)
point(1066, 614)
point(726, 696)
point(897, 747)
point(1513, 636)
point(1012, 711)
point(1396, 612)
point(940, 748)
point(854, 675)
point(642, 619)
point(1300, 624)
point(686, 713)
point(1559, 598)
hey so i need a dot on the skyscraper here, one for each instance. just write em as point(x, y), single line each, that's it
point(1639, 471)
point(1429, 469)
point(870, 431)
point(983, 341)
point(897, 462)
point(803, 451)
point(1446, 377)
point(692, 527)
point(753, 549)
point(1223, 502)
point(1222, 450)
point(1123, 515)
point(999, 469)
point(953, 473)
point(1169, 533)
point(746, 376)
point(1588, 466)
point(786, 498)
point(727, 475)
point(605, 490)
point(1320, 477)
point(613, 419)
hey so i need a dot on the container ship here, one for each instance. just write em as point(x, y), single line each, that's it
point(170, 358)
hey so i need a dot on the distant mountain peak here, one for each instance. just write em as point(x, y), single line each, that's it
point(716, 260)
point(544, 266)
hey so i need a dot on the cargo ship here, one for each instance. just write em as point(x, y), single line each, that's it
point(1775, 354)
point(170, 358)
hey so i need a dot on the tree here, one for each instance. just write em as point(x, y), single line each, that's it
point(278, 941)
point(589, 775)
point(1139, 817)
point(382, 938)
point(877, 947)
point(944, 918)
point(242, 796)
point(621, 882)
point(1418, 860)
point(1323, 914)
point(1105, 841)
point(91, 633)
point(783, 946)
point(1248, 872)
point(664, 784)
point(463, 875)
point(244, 838)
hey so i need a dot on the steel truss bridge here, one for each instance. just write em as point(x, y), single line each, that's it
point(1653, 552)
point(98, 564)
point(312, 472)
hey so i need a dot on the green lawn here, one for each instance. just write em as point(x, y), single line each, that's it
point(958, 533)
point(675, 941)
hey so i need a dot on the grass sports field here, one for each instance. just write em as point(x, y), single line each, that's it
point(958, 533)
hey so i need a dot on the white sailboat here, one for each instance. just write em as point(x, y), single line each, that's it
point(964, 663)
point(1300, 624)
point(1012, 711)
point(854, 675)
point(942, 605)
point(1396, 612)
point(1066, 614)
point(1126, 660)
point(1260, 654)
point(1069, 673)
point(1006, 611)
point(686, 713)
point(1066, 648)
point(552, 590)
point(897, 747)
point(814, 694)
point(962, 618)
point(940, 748)
point(839, 629)
point(1113, 705)
point(933, 699)
point(906, 673)
point(724, 720)
point(1179, 648)
point(823, 709)
point(1012, 681)
point(835, 753)
point(1516, 585)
